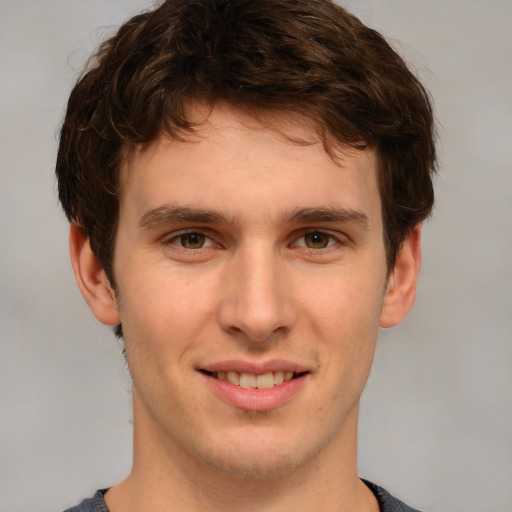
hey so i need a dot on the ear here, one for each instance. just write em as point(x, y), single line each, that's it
point(402, 282)
point(91, 278)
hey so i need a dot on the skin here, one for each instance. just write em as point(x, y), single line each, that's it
point(262, 282)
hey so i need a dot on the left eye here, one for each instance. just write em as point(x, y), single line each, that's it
point(315, 240)
point(192, 240)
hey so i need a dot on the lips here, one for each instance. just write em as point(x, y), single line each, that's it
point(255, 386)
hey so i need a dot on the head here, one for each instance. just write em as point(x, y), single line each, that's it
point(249, 176)
point(306, 57)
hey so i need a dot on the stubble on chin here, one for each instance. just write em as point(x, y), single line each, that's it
point(270, 463)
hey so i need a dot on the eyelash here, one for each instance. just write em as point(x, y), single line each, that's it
point(333, 241)
point(175, 238)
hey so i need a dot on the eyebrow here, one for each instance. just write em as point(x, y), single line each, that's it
point(170, 214)
point(313, 215)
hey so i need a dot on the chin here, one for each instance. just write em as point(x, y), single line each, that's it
point(263, 469)
point(261, 457)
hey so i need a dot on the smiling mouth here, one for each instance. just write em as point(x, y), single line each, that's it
point(251, 381)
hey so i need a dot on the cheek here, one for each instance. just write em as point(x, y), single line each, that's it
point(162, 319)
point(347, 304)
point(345, 319)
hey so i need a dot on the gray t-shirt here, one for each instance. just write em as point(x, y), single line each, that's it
point(387, 503)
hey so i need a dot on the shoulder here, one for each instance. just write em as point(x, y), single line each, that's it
point(94, 504)
point(387, 502)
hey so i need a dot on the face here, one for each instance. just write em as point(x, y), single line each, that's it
point(250, 276)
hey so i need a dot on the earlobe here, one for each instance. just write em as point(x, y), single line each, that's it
point(91, 278)
point(402, 282)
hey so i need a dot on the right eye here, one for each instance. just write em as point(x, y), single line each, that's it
point(188, 245)
point(192, 240)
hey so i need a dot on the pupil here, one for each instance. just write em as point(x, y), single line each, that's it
point(317, 240)
point(192, 240)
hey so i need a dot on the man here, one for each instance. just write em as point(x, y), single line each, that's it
point(246, 183)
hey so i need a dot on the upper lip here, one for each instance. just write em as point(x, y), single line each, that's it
point(241, 366)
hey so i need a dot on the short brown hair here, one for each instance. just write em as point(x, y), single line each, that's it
point(306, 56)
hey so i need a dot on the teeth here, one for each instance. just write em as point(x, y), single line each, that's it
point(265, 381)
point(233, 378)
point(247, 380)
point(251, 381)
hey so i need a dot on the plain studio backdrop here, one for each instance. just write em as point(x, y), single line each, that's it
point(436, 418)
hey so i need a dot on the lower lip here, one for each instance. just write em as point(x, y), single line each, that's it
point(256, 399)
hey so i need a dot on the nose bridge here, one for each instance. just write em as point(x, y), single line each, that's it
point(257, 294)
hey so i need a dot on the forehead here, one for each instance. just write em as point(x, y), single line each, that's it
point(235, 158)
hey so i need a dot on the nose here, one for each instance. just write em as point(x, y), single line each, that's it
point(256, 302)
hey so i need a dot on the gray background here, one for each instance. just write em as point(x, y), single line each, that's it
point(436, 424)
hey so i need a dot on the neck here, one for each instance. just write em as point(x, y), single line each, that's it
point(166, 477)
